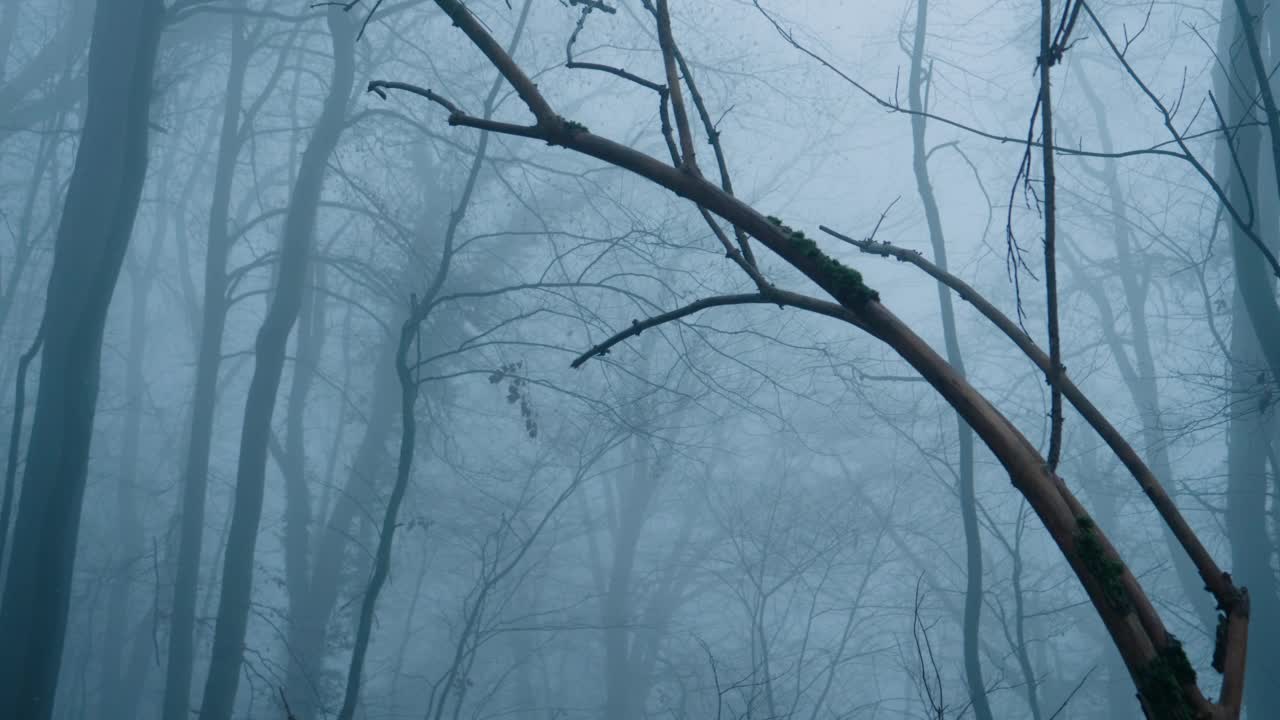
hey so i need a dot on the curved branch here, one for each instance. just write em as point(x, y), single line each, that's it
point(1117, 597)
point(1218, 582)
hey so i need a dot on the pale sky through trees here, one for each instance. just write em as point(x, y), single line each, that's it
point(638, 359)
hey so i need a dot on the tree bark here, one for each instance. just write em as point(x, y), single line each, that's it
point(128, 524)
point(269, 354)
point(297, 516)
point(309, 624)
point(634, 494)
point(176, 701)
point(1248, 437)
point(97, 221)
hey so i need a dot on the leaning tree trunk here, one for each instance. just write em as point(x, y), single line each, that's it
point(269, 355)
point(973, 599)
point(1161, 671)
point(97, 221)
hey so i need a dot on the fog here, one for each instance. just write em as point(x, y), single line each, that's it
point(639, 359)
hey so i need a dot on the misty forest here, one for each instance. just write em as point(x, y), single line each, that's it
point(639, 360)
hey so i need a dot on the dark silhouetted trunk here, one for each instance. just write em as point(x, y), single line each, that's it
point(382, 556)
point(129, 538)
point(97, 221)
point(634, 494)
point(269, 355)
point(297, 516)
point(195, 477)
point(1249, 410)
point(309, 623)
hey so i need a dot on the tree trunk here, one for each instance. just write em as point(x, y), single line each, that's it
point(309, 624)
point(297, 516)
point(1140, 374)
point(1246, 517)
point(176, 702)
point(97, 221)
point(634, 493)
point(269, 355)
point(128, 525)
point(968, 500)
point(1248, 437)
point(382, 556)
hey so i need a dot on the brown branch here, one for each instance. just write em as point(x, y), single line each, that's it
point(667, 43)
point(609, 69)
point(505, 64)
point(1216, 581)
point(713, 139)
point(1130, 619)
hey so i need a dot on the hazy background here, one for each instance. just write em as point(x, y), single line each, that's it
point(752, 513)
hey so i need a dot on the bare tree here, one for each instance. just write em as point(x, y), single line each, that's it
point(97, 222)
point(1160, 668)
point(272, 339)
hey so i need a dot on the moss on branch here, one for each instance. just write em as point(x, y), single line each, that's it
point(1108, 571)
point(847, 284)
point(1161, 683)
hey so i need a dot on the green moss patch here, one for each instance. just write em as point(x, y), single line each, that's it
point(849, 287)
point(1108, 571)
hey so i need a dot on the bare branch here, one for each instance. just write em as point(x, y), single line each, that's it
point(639, 326)
point(1218, 582)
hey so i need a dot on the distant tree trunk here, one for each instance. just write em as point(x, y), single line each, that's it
point(1251, 64)
point(1140, 374)
point(409, 385)
point(8, 27)
point(297, 518)
point(269, 355)
point(97, 221)
point(968, 500)
point(176, 702)
point(309, 630)
point(57, 57)
point(129, 537)
point(1249, 411)
point(1246, 517)
point(26, 240)
point(309, 623)
point(634, 494)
